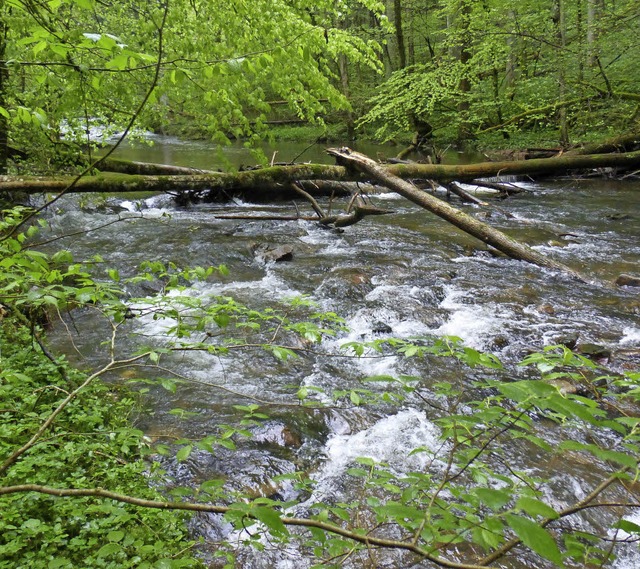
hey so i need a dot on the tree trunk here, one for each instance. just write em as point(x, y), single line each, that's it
point(273, 183)
point(463, 54)
point(343, 68)
point(623, 143)
point(460, 219)
point(559, 22)
point(397, 16)
point(147, 168)
point(592, 18)
point(4, 76)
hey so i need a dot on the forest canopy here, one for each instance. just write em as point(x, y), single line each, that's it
point(451, 69)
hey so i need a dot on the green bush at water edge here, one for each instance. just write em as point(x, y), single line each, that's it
point(91, 445)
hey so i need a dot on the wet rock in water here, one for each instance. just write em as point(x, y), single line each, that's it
point(278, 434)
point(569, 238)
point(500, 341)
point(358, 278)
point(347, 283)
point(107, 208)
point(618, 216)
point(381, 328)
point(569, 340)
point(632, 307)
point(151, 288)
point(594, 351)
point(271, 253)
point(546, 309)
point(628, 280)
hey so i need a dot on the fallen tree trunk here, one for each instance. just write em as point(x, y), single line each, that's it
point(623, 143)
point(460, 219)
point(537, 167)
point(264, 183)
point(275, 182)
point(148, 168)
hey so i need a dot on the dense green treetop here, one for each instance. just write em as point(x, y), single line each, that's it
point(76, 64)
point(491, 65)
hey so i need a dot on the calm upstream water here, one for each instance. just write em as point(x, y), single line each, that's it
point(400, 275)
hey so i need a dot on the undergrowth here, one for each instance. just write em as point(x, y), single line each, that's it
point(91, 445)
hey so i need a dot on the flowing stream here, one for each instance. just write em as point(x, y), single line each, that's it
point(400, 275)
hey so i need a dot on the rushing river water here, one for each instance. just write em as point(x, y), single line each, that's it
point(401, 275)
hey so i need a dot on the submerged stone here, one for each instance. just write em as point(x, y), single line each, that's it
point(271, 254)
point(628, 280)
point(594, 351)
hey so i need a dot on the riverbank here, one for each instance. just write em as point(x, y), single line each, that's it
point(92, 444)
point(337, 132)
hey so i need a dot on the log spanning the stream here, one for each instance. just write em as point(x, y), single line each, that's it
point(275, 182)
point(460, 219)
point(263, 183)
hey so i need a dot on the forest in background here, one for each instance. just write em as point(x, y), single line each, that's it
point(493, 73)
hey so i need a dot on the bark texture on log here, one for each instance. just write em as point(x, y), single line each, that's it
point(265, 183)
point(623, 143)
point(148, 168)
point(275, 182)
point(460, 219)
point(536, 167)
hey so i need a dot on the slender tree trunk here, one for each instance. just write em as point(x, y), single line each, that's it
point(511, 63)
point(4, 76)
point(592, 18)
point(343, 68)
point(561, 38)
point(411, 43)
point(463, 50)
point(397, 16)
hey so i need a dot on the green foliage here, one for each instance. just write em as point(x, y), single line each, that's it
point(34, 282)
point(493, 67)
point(74, 70)
point(93, 445)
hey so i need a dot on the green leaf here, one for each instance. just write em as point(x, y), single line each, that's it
point(535, 507)
point(168, 384)
point(109, 549)
point(184, 453)
point(115, 535)
point(400, 512)
point(271, 519)
point(627, 460)
point(119, 62)
point(535, 537)
point(629, 527)
point(495, 499)
point(283, 354)
point(486, 539)
point(39, 47)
